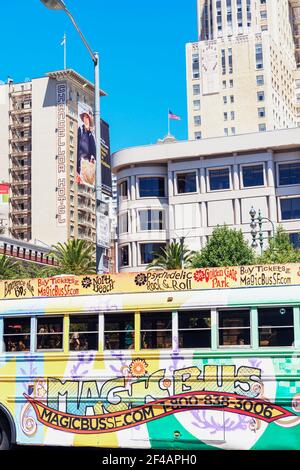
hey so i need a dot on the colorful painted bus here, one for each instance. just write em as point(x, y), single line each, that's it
point(192, 359)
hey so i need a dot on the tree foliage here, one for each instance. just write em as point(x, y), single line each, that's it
point(226, 247)
point(171, 257)
point(75, 257)
point(280, 250)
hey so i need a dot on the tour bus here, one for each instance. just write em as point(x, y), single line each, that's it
point(192, 359)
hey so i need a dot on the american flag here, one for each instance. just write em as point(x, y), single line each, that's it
point(173, 116)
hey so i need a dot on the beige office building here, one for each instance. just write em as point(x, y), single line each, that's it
point(243, 73)
point(38, 158)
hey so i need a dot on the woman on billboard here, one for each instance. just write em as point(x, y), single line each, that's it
point(86, 150)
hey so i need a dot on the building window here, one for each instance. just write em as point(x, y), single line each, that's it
point(233, 131)
point(119, 331)
point(263, 14)
point(259, 56)
point(290, 208)
point(186, 182)
point(275, 326)
point(195, 66)
point(234, 328)
point(260, 80)
point(253, 175)
point(239, 13)
point(219, 179)
point(83, 333)
point(197, 120)
point(232, 115)
point(223, 62)
point(262, 127)
point(224, 84)
point(123, 223)
point(124, 255)
point(230, 83)
point(295, 240)
point(261, 112)
point(194, 329)
point(123, 190)
point(198, 135)
point(289, 173)
point(152, 186)
point(226, 131)
point(196, 89)
point(16, 334)
point(156, 330)
point(149, 251)
point(50, 333)
point(196, 105)
point(230, 60)
point(231, 99)
point(225, 116)
point(151, 219)
point(224, 99)
point(260, 96)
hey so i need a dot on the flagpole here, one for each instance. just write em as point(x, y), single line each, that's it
point(65, 51)
point(168, 123)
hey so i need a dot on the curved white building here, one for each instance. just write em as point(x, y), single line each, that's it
point(186, 188)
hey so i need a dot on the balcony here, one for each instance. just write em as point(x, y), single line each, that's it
point(18, 93)
point(19, 111)
point(20, 183)
point(20, 125)
point(20, 212)
point(19, 197)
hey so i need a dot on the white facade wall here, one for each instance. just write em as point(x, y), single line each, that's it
point(195, 215)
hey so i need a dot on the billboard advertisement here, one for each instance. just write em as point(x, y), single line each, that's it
point(86, 149)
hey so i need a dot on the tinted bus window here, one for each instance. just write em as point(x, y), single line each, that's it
point(234, 328)
point(83, 333)
point(276, 326)
point(119, 331)
point(194, 329)
point(50, 333)
point(16, 334)
point(156, 330)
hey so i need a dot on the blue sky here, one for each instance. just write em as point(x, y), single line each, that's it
point(142, 48)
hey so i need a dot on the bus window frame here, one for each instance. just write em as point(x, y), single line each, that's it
point(69, 332)
point(105, 350)
point(295, 317)
point(210, 310)
point(250, 328)
point(2, 334)
point(62, 334)
point(173, 321)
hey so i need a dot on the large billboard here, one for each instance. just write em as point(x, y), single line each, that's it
point(86, 150)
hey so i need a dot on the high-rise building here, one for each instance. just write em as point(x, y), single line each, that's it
point(41, 119)
point(243, 73)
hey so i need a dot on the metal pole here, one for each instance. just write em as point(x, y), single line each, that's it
point(181, 253)
point(65, 51)
point(99, 248)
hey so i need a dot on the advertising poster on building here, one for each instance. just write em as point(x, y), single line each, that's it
point(4, 207)
point(86, 146)
point(86, 150)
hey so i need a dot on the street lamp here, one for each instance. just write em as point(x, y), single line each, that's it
point(60, 5)
point(253, 225)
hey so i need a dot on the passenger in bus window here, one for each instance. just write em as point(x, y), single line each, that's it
point(75, 342)
point(129, 336)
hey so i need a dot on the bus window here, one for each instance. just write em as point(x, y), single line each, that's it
point(194, 329)
point(156, 330)
point(234, 328)
point(17, 334)
point(83, 333)
point(50, 333)
point(276, 326)
point(119, 331)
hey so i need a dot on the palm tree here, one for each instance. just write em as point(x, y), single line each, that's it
point(7, 268)
point(173, 257)
point(75, 257)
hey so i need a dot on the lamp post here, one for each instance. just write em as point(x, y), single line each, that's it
point(254, 231)
point(60, 5)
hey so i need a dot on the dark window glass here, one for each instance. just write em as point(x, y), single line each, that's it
point(124, 255)
point(119, 331)
point(276, 326)
point(194, 329)
point(149, 251)
point(156, 330)
point(253, 176)
point(123, 190)
point(50, 333)
point(84, 333)
point(234, 328)
point(290, 208)
point(152, 187)
point(219, 179)
point(186, 183)
point(16, 334)
point(295, 240)
point(289, 173)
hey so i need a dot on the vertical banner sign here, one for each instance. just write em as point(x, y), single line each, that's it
point(61, 175)
point(105, 158)
point(86, 146)
point(4, 207)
